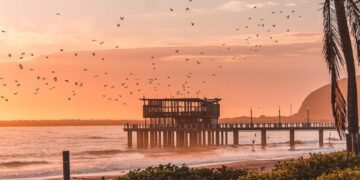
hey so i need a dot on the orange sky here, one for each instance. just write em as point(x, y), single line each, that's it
point(222, 49)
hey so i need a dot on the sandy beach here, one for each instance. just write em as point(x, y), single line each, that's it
point(252, 165)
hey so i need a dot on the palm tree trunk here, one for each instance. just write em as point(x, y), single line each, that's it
point(352, 104)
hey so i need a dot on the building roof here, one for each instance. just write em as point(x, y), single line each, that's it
point(183, 99)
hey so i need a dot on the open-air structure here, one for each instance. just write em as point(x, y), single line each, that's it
point(194, 122)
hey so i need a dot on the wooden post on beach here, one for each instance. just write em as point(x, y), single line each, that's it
point(66, 165)
point(263, 137)
point(292, 137)
point(321, 137)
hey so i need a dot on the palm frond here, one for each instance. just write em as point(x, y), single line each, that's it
point(334, 59)
point(353, 14)
point(338, 105)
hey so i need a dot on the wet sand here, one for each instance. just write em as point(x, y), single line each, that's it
point(252, 165)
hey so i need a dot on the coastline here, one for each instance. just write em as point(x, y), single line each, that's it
point(252, 165)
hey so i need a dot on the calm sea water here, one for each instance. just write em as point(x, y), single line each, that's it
point(36, 152)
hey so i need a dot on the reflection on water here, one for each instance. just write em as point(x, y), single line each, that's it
point(27, 152)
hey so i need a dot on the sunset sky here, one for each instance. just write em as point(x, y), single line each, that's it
point(250, 53)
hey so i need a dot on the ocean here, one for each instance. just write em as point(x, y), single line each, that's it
point(36, 152)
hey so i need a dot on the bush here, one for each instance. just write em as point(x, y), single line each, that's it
point(339, 165)
point(342, 174)
point(309, 168)
point(172, 172)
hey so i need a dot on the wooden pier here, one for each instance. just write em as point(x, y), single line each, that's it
point(149, 136)
point(193, 122)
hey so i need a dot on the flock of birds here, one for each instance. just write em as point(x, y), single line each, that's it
point(132, 85)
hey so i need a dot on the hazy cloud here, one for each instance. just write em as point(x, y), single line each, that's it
point(241, 5)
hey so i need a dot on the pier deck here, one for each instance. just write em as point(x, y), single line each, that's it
point(193, 135)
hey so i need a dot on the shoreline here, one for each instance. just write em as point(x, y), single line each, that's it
point(251, 165)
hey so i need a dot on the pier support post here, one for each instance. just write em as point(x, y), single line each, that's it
point(198, 135)
point(209, 138)
point(183, 138)
point(160, 139)
point(66, 165)
point(172, 138)
point(187, 139)
point(204, 138)
point(146, 139)
point(213, 138)
point(292, 137)
point(321, 137)
point(263, 137)
point(222, 138)
point(165, 139)
point(178, 139)
point(236, 137)
point(140, 139)
point(152, 141)
point(226, 138)
point(192, 138)
point(137, 139)
point(217, 138)
point(155, 138)
point(129, 139)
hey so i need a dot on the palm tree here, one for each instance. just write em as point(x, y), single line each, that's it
point(339, 15)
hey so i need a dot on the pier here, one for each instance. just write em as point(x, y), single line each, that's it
point(193, 122)
point(148, 136)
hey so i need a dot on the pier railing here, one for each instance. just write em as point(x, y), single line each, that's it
point(225, 126)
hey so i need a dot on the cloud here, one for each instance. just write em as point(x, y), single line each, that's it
point(242, 6)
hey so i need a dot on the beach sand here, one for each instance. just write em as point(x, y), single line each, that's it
point(252, 165)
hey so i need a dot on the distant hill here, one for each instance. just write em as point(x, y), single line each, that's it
point(318, 102)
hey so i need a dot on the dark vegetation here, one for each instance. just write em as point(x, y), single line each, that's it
point(339, 165)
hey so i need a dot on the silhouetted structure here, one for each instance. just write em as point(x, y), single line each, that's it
point(180, 111)
point(193, 122)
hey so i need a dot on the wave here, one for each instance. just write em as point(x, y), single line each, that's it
point(96, 137)
point(105, 152)
point(13, 164)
